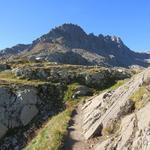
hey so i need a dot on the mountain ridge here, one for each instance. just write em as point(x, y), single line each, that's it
point(69, 41)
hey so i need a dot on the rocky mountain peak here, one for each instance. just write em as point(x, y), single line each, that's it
point(70, 28)
point(113, 39)
point(116, 39)
point(73, 36)
point(65, 31)
point(77, 44)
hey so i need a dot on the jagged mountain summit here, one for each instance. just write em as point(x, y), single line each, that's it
point(70, 44)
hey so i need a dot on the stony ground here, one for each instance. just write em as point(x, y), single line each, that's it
point(75, 139)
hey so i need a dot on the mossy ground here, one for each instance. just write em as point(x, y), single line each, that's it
point(70, 90)
point(113, 87)
point(118, 84)
point(51, 136)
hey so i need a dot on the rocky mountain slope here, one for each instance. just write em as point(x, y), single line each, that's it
point(69, 44)
point(120, 117)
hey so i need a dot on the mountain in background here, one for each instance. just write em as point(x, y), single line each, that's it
point(69, 44)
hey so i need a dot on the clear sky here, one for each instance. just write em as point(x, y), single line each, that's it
point(22, 21)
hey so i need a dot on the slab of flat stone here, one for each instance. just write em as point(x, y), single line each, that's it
point(27, 114)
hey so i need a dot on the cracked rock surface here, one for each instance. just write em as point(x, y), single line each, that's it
point(133, 130)
point(17, 108)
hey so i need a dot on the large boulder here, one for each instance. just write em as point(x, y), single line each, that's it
point(82, 91)
point(17, 108)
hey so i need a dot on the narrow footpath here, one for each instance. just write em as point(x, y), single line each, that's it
point(75, 139)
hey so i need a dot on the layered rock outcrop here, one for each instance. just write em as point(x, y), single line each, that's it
point(113, 116)
point(134, 133)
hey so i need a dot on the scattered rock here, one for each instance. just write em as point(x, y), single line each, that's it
point(108, 94)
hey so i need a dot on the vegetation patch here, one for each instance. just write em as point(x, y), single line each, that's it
point(113, 87)
point(51, 136)
point(118, 84)
point(70, 90)
point(7, 77)
point(111, 128)
point(138, 97)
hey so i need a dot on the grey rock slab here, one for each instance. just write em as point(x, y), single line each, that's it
point(27, 96)
point(118, 101)
point(3, 130)
point(4, 96)
point(133, 134)
point(27, 113)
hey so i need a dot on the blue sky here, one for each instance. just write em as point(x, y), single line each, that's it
point(22, 21)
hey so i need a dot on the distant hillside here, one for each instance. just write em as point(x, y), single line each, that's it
point(14, 50)
point(69, 44)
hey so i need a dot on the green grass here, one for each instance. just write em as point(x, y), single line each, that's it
point(118, 84)
point(70, 90)
point(51, 136)
point(9, 77)
point(113, 87)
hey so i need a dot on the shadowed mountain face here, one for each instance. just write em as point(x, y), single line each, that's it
point(69, 44)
